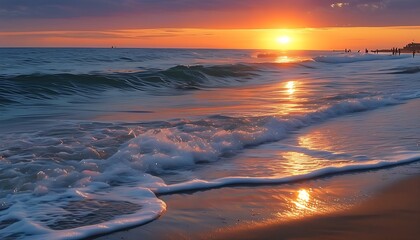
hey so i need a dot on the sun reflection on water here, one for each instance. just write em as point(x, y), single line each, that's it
point(291, 88)
point(318, 140)
point(285, 59)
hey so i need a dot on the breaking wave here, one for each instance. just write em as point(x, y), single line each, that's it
point(50, 86)
point(351, 58)
point(90, 180)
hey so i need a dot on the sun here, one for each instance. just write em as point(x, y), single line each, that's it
point(283, 40)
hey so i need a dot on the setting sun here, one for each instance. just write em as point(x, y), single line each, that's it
point(284, 40)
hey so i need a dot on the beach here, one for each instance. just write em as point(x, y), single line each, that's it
point(209, 120)
point(370, 204)
point(203, 143)
point(394, 213)
point(391, 213)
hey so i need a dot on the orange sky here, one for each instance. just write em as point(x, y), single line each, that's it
point(300, 38)
point(243, 24)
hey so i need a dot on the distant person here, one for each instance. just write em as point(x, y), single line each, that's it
point(399, 51)
point(414, 53)
point(366, 50)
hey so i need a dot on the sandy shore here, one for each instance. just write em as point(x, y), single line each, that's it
point(389, 210)
point(391, 214)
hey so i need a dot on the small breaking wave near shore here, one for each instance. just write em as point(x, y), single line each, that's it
point(197, 185)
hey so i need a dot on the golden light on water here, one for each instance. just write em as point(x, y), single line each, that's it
point(291, 87)
point(285, 59)
point(320, 139)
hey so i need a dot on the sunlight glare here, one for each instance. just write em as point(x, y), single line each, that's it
point(284, 40)
point(302, 201)
point(290, 86)
point(303, 195)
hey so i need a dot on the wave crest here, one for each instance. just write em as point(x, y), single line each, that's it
point(351, 58)
point(50, 86)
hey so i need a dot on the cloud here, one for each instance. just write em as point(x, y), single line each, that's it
point(340, 5)
point(361, 5)
point(61, 9)
point(107, 14)
point(89, 8)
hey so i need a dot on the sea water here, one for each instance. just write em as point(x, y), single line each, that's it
point(90, 138)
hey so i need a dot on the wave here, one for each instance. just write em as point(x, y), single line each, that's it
point(406, 70)
point(351, 58)
point(197, 184)
point(49, 86)
point(94, 190)
point(189, 143)
point(78, 213)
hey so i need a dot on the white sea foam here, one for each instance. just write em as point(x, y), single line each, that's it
point(327, 171)
point(176, 147)
point(356, 57)
point(45, 217)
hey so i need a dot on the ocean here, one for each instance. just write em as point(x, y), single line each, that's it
point(91, 139)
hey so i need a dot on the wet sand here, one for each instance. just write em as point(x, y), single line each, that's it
point(393, 213)
point(339, 208)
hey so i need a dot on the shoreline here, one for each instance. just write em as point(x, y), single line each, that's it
point(393, 213)
point(225, 213)
point(342, 210)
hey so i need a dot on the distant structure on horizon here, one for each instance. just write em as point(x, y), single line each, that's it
point(412, 47)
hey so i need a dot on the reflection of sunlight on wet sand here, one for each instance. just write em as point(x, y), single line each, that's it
point(302, 200)
point(302, 203)
point(303, 195)
point(286, 203)
point(307, 202)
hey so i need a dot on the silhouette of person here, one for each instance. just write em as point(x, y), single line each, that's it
point(414, 53)
point(366, 50)
point(399, 51)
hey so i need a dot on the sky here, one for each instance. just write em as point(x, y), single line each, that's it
point(308, 24)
